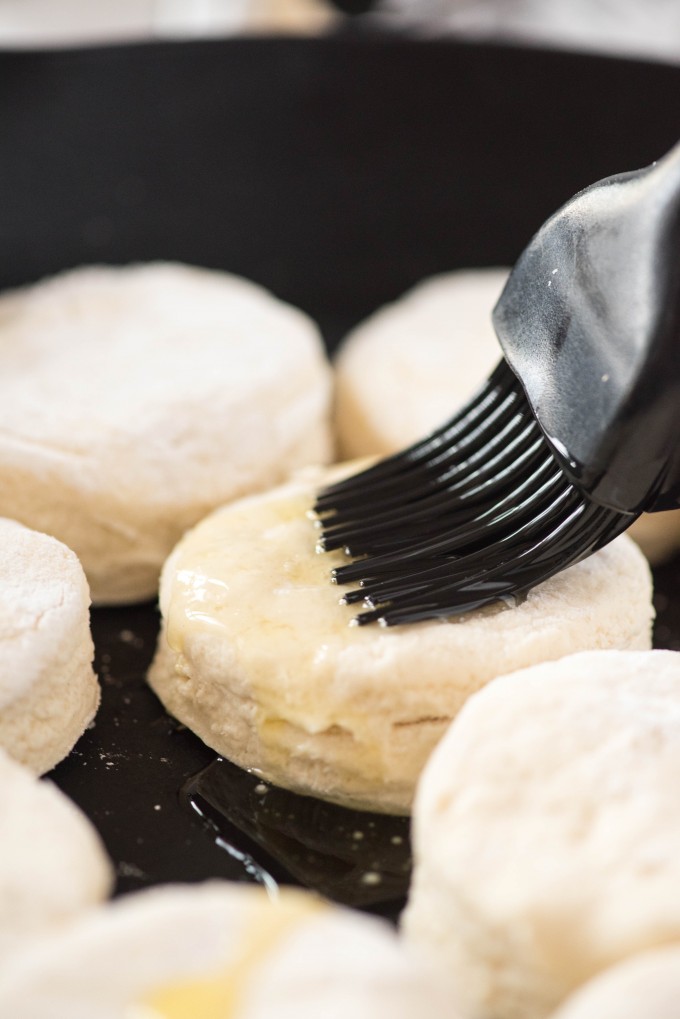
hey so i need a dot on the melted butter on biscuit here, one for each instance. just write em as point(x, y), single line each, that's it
point(219, 995)
point(252, 569)
point(225, 564)
point(247, 592)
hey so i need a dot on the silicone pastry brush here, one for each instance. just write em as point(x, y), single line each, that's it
point(576, 432)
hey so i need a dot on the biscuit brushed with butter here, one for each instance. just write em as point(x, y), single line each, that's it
point(258, 658)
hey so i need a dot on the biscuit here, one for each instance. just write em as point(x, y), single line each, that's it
point(48, 691)
point(134, 400)
point(222, 950)
point(546, 838)
point(644, 987)
point(412, 364)
point(52, 864)
point(407, 368)
point(256, 655)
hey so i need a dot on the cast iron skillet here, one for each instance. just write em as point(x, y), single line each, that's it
point(337, 172)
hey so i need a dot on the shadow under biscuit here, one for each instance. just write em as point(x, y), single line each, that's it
point(349, 856)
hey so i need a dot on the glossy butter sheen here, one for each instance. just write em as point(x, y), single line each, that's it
point(218, 572)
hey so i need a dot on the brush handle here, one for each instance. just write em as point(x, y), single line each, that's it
point(589, 321)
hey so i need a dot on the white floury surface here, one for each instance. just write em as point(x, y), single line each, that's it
point(48, 690)
point(647, 986)
point(134, 400)
point(547, 842)
point(52, 864)
point(288, 959)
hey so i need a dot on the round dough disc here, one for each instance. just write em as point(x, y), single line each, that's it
point(547, 843)
point(411, 365)
point(644, 987)
point(52, 864)
point(176, 951)
point(135, 400)
point(257, 657)
point(48, 691)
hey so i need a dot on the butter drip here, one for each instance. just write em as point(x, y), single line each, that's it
point(220, 995)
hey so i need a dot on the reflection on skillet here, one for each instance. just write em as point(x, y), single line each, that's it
point(354, 858)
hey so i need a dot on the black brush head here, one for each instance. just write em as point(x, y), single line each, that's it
point(479, 511)
point(554, 458)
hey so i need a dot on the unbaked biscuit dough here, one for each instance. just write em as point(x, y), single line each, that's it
point(223, 951)
point(134, 400)
point(257, 657)
point(52, 864)
point(644, 987)
point(48, 690)
point(414, 363)
point(546, 834)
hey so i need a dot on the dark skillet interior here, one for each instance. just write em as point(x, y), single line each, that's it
point(337, 172)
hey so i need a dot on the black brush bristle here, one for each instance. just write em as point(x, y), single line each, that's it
point(477, 512)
